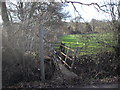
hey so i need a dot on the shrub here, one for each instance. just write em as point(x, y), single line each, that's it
point(19, 67)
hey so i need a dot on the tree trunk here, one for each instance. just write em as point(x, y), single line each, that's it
point(0, 62)
point(6, 21)
point(5, 17)
point(118, 51)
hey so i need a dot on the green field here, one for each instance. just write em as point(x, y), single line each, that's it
point(90, 43)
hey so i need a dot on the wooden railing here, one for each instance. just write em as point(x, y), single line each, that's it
point(63, 53)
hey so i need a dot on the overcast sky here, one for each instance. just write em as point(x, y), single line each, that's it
point(87, 12)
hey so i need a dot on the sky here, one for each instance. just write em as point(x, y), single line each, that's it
point(87, 12)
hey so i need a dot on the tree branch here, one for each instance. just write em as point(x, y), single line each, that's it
point(75, 9)
point(95, 4)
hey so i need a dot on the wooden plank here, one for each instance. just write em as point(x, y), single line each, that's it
point(68, 48)
point(67, 73)
point(64, 62)
point(66, 56)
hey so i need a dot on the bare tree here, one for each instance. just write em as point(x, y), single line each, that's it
point(26, 18)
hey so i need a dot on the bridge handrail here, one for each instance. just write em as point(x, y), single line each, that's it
point(59, 53)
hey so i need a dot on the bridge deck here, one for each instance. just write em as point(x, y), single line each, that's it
point(67, 73)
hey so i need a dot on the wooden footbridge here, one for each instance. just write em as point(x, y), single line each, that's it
point(64, 58)
point(61, 57)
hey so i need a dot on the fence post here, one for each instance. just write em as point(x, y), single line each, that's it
point(74, 58)
point(41, 51)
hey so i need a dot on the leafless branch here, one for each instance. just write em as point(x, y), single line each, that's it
point(95, 4)
point(75, 9)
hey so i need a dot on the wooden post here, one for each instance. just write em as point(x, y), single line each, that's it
point(67, 53)
point(42, 69)
point(74, 58)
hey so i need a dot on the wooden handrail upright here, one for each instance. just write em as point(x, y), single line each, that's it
point(67, 53)
point(74, 58)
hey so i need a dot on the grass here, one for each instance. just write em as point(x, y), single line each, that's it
point(90, 42)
